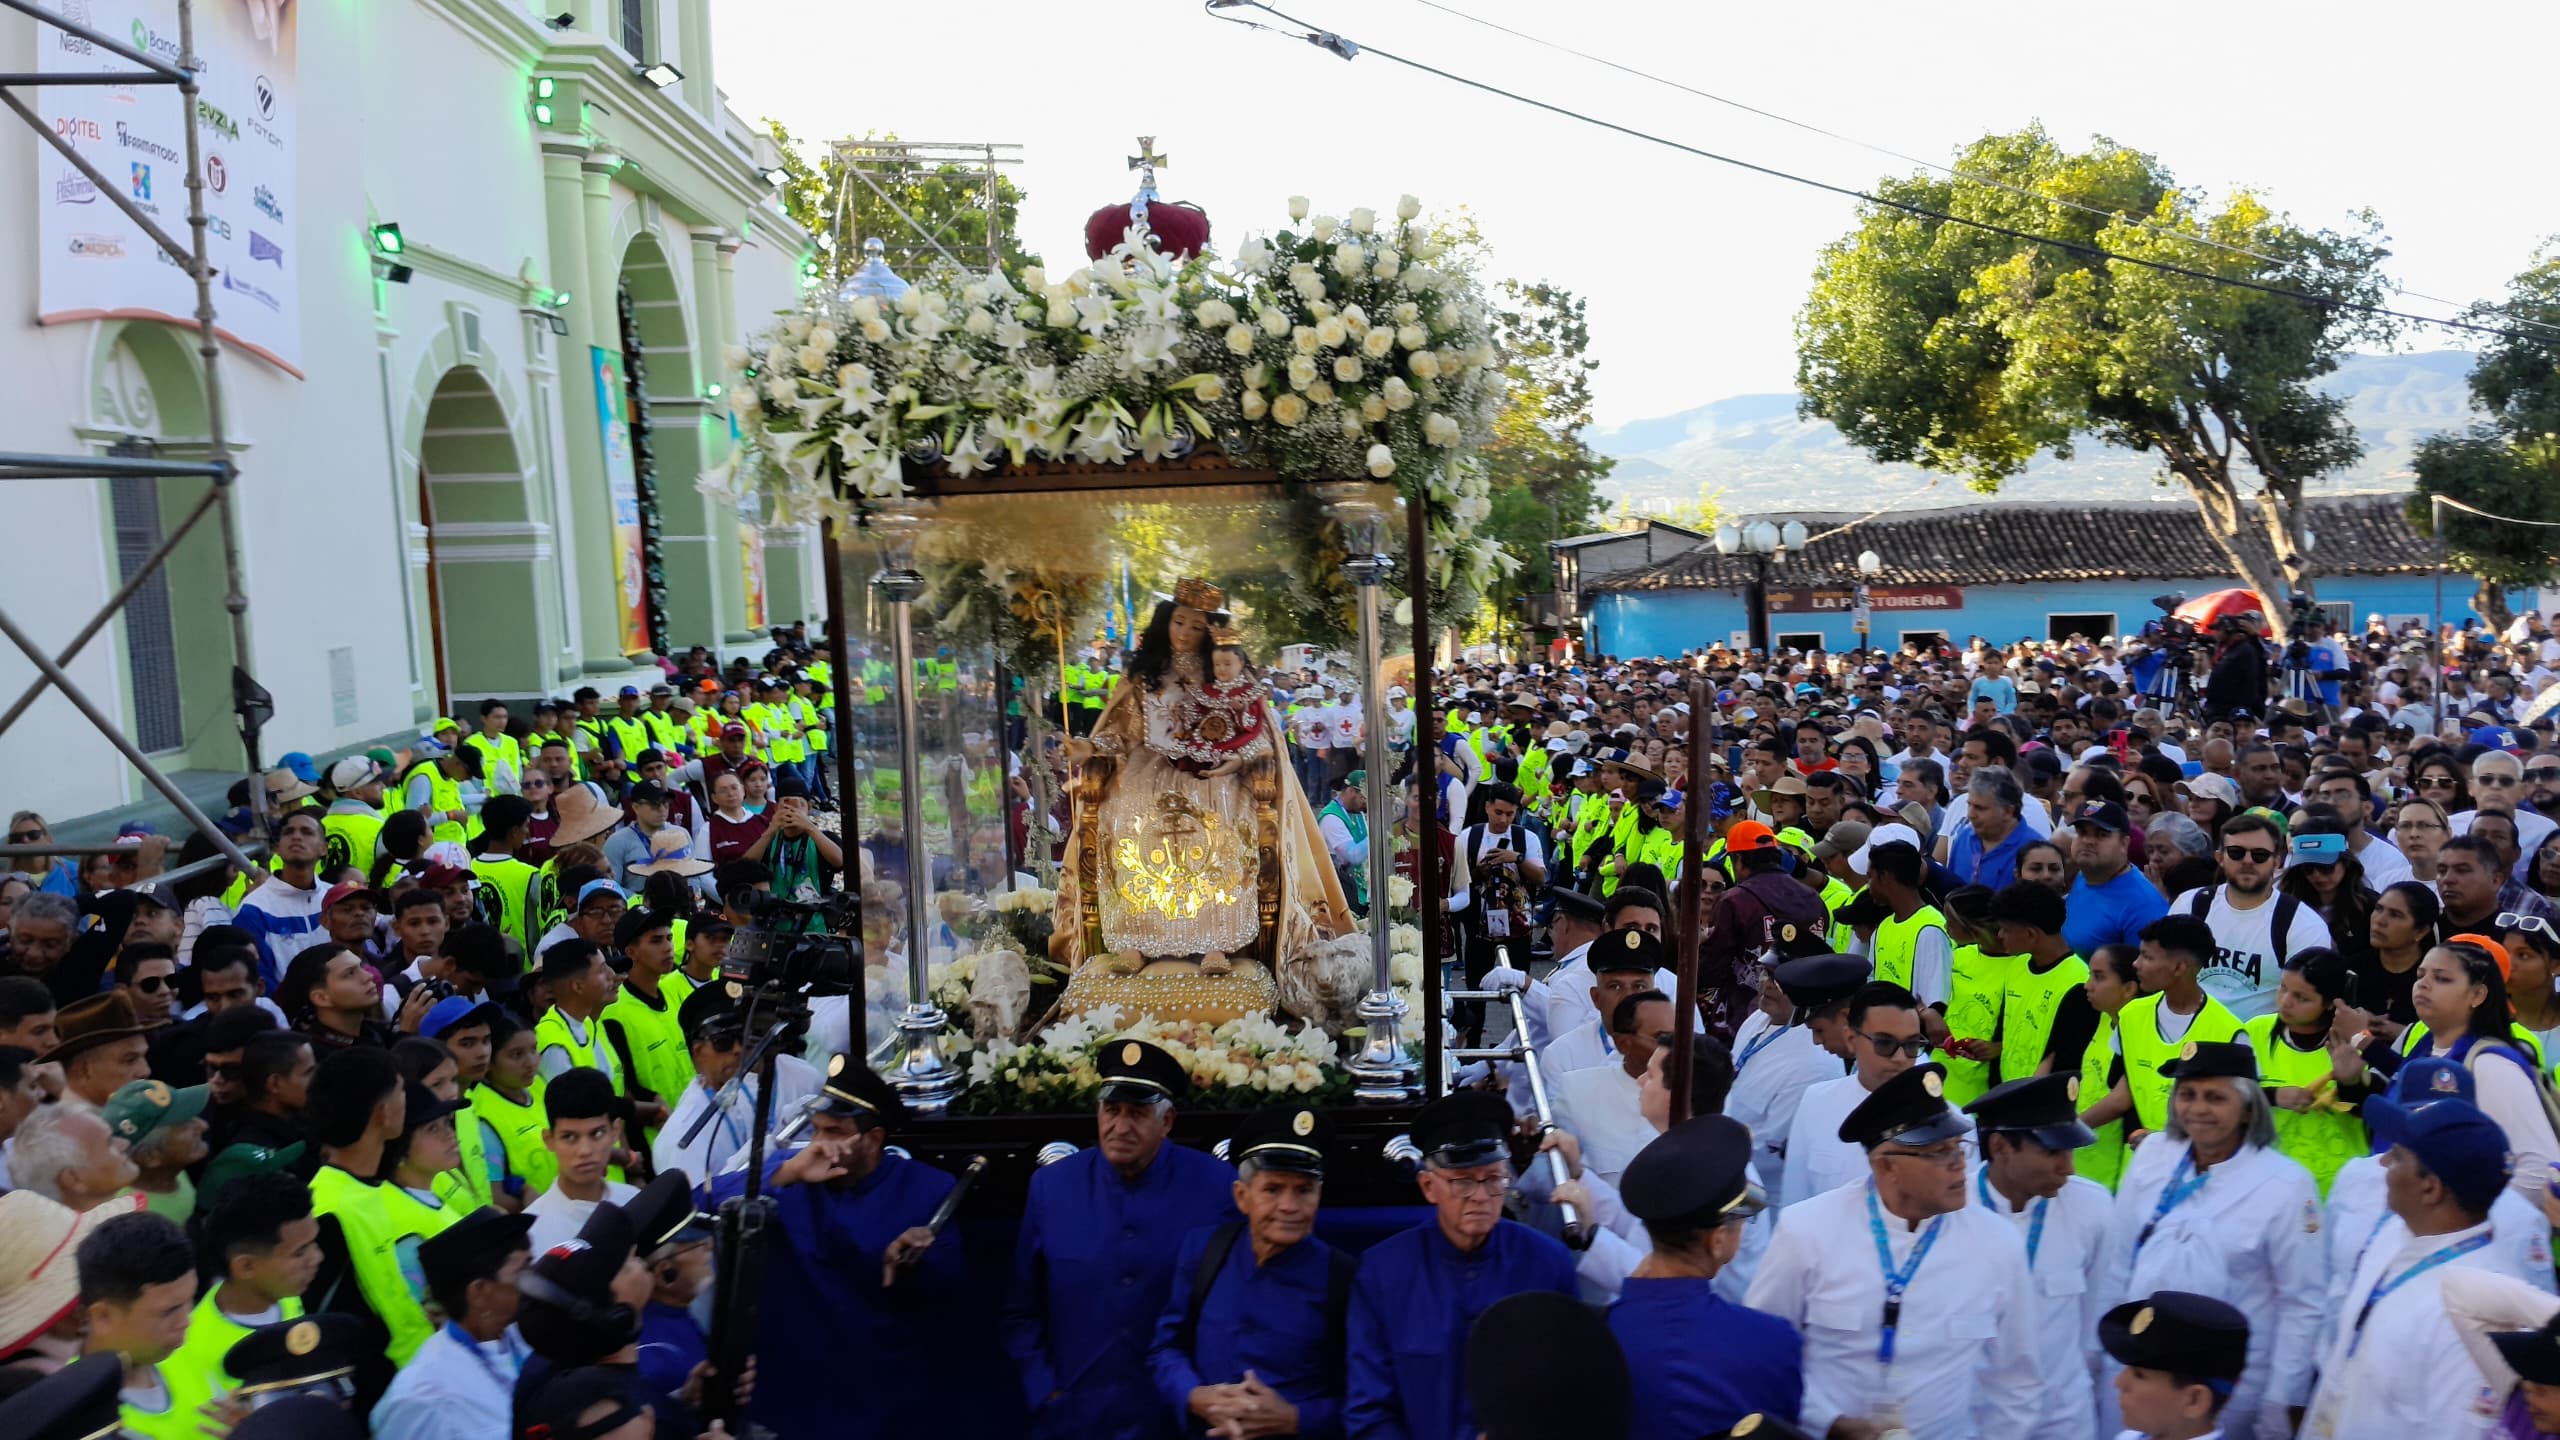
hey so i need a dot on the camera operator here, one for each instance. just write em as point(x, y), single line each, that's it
point(2237, 681)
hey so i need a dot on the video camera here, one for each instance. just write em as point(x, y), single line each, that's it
point(779, 952)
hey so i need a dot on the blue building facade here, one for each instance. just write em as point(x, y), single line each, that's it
point(2008, 572)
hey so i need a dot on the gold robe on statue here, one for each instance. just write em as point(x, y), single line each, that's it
point(1172, 865)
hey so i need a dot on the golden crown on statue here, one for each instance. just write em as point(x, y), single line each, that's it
point(1199, 594)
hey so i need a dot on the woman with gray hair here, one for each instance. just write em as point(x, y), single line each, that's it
point(2209, 1205)
point(2175, 841)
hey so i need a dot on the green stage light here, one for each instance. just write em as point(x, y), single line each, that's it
point(387, 241)
point(545, 87)
point(711, 391)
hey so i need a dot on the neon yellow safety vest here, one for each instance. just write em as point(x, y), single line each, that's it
point(444, 797)
point(413, 1220)
point(2416, 1035)
point(519, 1130)
point(372, 1253)
point(632, 735)
point(2027, 1007)
point(553, 1029)
point(351, 837)
point(660, 1060)
point(194, 1372)
point(505, 898)
point(2145, 1051)
point(2324, 1137)
point(2104, 1161)
point(1897, 944)
point(497, 751)
point(466, 1186)
point(1973, 1012)
point(806, 714)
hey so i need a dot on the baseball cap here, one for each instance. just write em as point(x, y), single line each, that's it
point(345, 890)
point(1749, 836)
point(2458, 1143)
point(353, 772)
point(141, 1106)
point(593, 888)
point(2106, 815)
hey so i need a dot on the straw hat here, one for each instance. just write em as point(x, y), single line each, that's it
point(38, 1281)
point(284, 787)
point(671, 853)
point(582, 817)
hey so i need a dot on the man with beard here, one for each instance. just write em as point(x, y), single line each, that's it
point(854, 1271)
point(2255, 929)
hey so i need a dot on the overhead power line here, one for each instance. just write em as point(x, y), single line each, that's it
point(1971, 177)
point(1348, 49)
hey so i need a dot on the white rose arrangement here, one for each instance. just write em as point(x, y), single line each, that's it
point(1254, 1061)
point(1385, 339)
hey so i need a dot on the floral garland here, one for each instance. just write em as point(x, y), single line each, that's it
point(1358, 347)
point(1242, 1063)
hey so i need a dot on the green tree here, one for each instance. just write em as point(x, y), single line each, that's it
point(1970, 352)
point(946, 203)
point(2509, 465)
point(1546, 479)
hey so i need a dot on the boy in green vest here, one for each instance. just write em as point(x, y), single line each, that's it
point(2172, 1011)
point(353, 821)
point(509, 1100)
point(501, 757)
point(137, 1282)
point(267, 1244)
point(504, 895)
point(2044, 1006)
point(641, 1020)
point(358, 1106)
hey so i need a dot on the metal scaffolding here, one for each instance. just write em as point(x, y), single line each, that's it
point(250, 702)
point(880, 165)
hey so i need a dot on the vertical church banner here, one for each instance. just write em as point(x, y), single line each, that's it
point(95, 262)
point(622, 487)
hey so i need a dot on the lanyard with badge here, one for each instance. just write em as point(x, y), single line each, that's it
point(2035, 1224)
point(1756, 1046)
point(506, 1383)
point(2444, 1256)
point(2181, 1188)
point(1896, 1279)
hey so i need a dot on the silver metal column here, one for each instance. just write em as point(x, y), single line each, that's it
point(1382, 1072)
point(924, 1079)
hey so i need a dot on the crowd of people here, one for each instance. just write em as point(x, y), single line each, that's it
point(2068, 1059)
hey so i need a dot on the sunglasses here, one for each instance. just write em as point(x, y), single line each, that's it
point(25, 837)
point(2435, 782)
point(152, 984)
point(2543, 774)
point(1891, 1045)
point(2251, 853)
point(2530, 925)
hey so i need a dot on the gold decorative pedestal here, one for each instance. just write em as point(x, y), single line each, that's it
point(1173, 990)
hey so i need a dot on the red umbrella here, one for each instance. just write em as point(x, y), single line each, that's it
point(2207, 611)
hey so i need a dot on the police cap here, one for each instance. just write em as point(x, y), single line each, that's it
point(1910, 1109)
point(2192, 1336)
point(1284, 1137)
point(76, 1402)
point(2206, 1059)
point(308, 1351)
point(1576, 904)
point(1464, 1129)
point(663, 1214)
point(1625, 950)
point(709, 1007)
point(2044, 1108)
point(1813, 981)
point(1694, 1173)
point(855, 1092)
point(1544, 1366)
point(2533, 1354)
point(475, 1245)
point(1133, 1070)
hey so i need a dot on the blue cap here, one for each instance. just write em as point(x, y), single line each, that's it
point(451, 1011)
point(599, 887)
point(2456, 1142)
point(135, 830)
point(430, 748)
point(2319, 849)
point(302, 767)
point(2425, 1078)
point(2496, 736)
point(633, 691)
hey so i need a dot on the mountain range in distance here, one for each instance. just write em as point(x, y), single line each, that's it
point(1764, 458)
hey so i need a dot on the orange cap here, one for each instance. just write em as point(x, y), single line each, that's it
point(1749, 835)
point(2497, 952)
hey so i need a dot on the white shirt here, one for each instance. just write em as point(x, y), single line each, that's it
point(2384, 865)
point(1964, 1358)
point(1579, 1048)
point(558, 1219)
point(1338, 842)
point(2506, 1093)
point(2246, 967)
point(722, 1140)
point(1773, 1067)
point(1569, 1004)
point(2407, 1372)
point(450, 1391)
point(1600, 1106)
point(1817, 1159)
point(2067, 1266)
point(2357, 1211)
point(2532, 828)
point(2250, 1237)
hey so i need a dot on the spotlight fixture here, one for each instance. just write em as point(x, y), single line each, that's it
point(544, 88)
point(774, 175)
point(392, 271)
point(711, 391)
point(563, 20)
point(386, 239)
point(558, 323)
point(662, 75)
point(557, 300)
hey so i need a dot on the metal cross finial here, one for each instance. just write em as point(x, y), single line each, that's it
point(1145, 163)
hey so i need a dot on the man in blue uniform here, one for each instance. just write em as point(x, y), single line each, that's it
point(1095, 1258)
point(854, 1271)
point(1708, 1361)
point(1251, 1336)
point(674, 1241)
point(1420, 1290)
point(1542, 1366)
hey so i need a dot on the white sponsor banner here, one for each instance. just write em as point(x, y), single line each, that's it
point(96, 262)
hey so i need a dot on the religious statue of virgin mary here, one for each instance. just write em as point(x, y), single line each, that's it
point(1194, 866)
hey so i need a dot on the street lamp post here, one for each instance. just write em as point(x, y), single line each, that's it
point(1861, 615)
point(1767, 543)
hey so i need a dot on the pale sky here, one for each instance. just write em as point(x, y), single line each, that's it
point(1694, 270)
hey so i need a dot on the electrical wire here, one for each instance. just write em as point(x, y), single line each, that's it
point(1347, 49)
point(2450, 503)
point(1972, 177)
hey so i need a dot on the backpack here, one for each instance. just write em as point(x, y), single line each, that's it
point(2200, 900)
point(2468, 1050)
point(1337, 1298)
